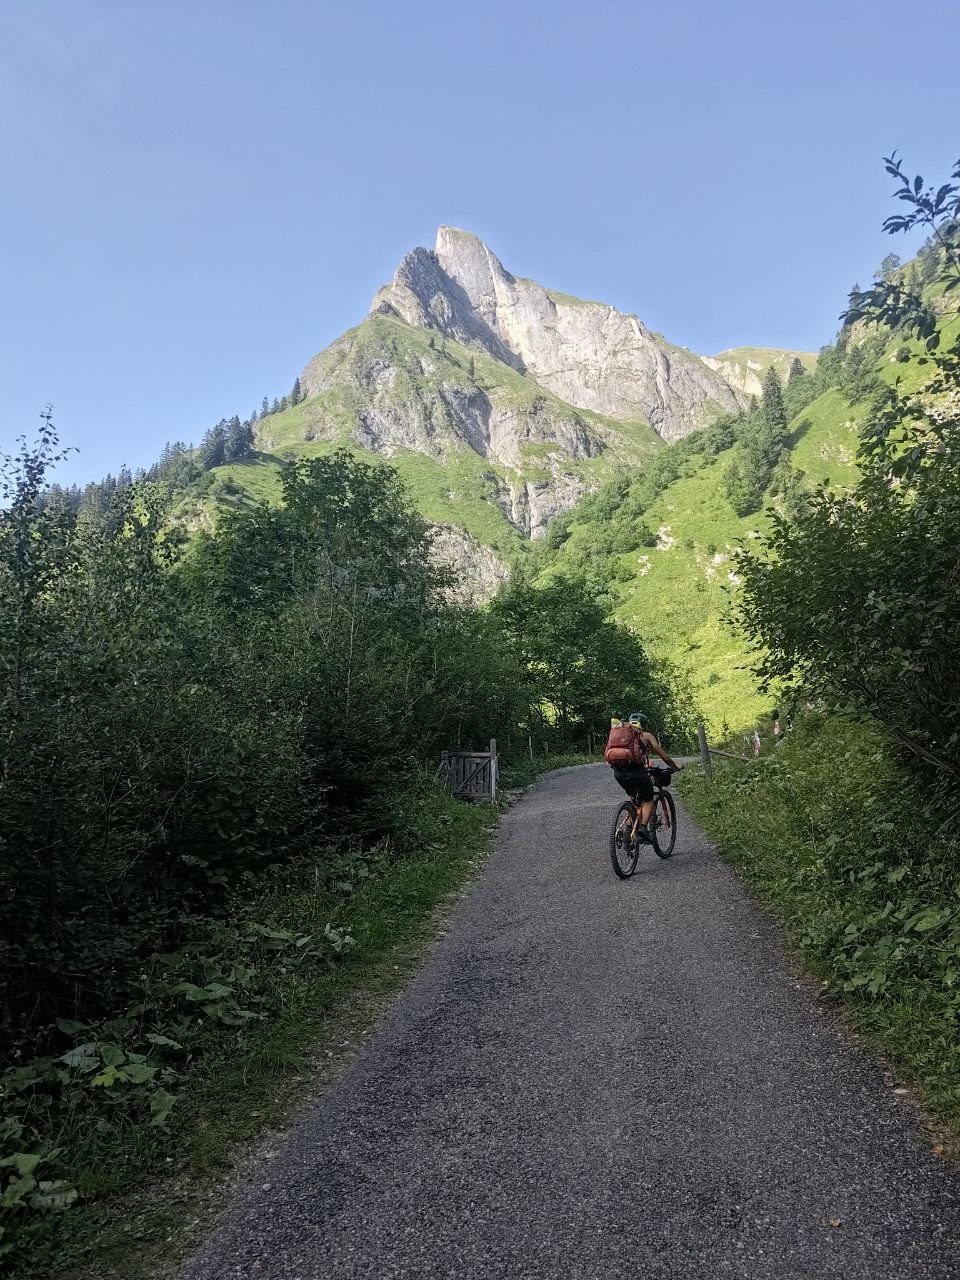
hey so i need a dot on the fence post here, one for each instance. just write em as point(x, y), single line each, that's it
point(493, 770)
point(704, 751)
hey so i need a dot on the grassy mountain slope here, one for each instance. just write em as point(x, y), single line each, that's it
point(676, 592)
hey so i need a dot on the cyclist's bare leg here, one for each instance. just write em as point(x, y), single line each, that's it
point(646, 811)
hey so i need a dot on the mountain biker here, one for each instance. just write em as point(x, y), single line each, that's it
point(633, 776)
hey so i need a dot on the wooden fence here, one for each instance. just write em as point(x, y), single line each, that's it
point(707, 751)
point(471, 774)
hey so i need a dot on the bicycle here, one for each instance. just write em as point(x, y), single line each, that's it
point(626, 838)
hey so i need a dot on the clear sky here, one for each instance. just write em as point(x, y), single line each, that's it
point(200, 194)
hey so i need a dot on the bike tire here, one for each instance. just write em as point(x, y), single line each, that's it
point(624, 853)
point(663, 824)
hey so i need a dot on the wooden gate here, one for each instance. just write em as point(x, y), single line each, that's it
point(471, 774)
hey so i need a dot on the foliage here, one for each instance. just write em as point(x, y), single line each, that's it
point(318, 950)
point(580, 666)
point(906, 430)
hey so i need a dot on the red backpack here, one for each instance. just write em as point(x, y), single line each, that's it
point(624, 747)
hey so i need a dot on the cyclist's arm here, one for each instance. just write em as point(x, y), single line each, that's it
point(668, 760)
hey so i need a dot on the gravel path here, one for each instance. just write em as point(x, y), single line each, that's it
point(600, 1079)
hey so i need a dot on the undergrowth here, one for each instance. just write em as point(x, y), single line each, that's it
point(110, 1148)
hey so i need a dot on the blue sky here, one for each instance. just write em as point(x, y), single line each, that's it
point(200, 194)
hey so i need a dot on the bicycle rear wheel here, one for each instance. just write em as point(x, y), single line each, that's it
point(663, 824)
point(623, 851)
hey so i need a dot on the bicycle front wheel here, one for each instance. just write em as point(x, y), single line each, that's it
point(623, 851)
point(663, 825)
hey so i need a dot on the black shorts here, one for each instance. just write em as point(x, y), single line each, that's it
point(636, 782)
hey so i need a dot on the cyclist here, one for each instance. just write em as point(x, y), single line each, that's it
point(633, 776)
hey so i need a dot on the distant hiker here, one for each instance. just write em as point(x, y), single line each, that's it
point(756, 743)
point(776, 724)
point(628, 754)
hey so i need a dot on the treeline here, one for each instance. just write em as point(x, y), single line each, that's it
point(177, 725)
point(179, 466)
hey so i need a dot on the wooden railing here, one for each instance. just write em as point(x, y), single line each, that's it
point(707, 751)
point(471, 774)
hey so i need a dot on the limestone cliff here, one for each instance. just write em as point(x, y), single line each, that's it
point(587, 353)
point(476, 572)
point(743, 367)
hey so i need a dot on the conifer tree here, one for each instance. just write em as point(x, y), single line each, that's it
point(239, 441)
point(774, 413)
point(213, 448)
point(761, 446)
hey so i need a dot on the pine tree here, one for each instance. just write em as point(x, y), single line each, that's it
point(265, 408)
point(858, 378)
point(761, 446)
point(889, 266)
point(296, 394)
point(239, 441)
point(774, 413)
point(213, 448)
point(929, 264)
point(275, 407)
point(473, 367)
point(796, 370)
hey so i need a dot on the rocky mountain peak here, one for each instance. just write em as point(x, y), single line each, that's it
point(588, 353)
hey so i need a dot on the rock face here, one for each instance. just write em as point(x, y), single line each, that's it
point(477, 572)
point(587, 353)
point(412, 396)
point(744, 367)
point(392, 386)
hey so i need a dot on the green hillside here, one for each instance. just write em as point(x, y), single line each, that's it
point(676, 590)
point(679, 602)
